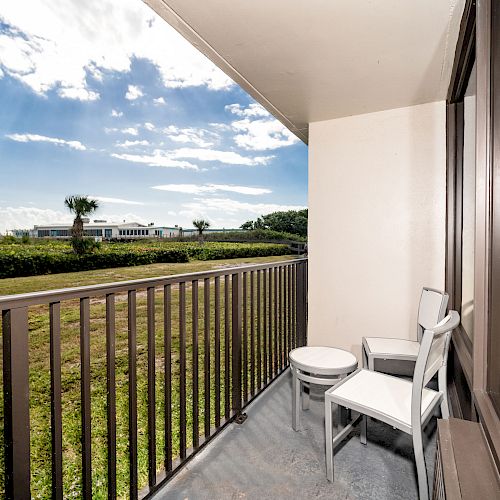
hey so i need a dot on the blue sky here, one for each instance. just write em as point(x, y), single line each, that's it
point(104, 98)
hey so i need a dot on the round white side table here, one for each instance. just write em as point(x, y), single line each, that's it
point(320, 366)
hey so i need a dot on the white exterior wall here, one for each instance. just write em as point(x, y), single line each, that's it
point(377, 182)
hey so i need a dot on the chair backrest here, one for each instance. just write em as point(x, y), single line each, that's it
point(431, 309)
point(432, 357)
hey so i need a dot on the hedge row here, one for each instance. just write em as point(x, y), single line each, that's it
point(31, 262)
point(14, 265)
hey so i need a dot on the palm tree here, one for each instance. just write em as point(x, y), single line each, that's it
point(201, 225)
point(81, 206)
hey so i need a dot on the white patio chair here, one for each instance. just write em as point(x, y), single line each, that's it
point(431, 310)
point(403, 404)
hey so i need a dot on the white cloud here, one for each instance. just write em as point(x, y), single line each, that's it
point(149, 126)
point(211, 188)
point(42, 138)
point(118, 201)
point(133, 93)
point(191, 135)
point(159, 101)
point(130, 131)
point(258, 130)
point(229, 157)
point(62, 44)
point(252, 111)
point(130, 144)
point(220, 126)
point(157, 159)
point(116, 114)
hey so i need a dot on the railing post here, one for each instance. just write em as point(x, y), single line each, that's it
point(16, 403)
point(301, 303)
point(236, 331)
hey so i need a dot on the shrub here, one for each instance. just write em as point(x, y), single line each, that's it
point(82, 246)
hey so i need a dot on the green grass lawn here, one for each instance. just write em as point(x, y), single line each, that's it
point(40, 374)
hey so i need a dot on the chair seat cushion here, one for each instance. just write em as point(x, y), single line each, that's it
point(379, 395)
point(384, 345)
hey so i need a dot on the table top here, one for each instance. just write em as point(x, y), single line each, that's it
point(323, 360)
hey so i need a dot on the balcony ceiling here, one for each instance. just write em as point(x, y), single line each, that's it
point(314, 60)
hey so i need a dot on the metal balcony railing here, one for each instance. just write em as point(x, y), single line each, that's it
point(223, 334)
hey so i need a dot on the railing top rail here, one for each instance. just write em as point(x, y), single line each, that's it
point(50, 296)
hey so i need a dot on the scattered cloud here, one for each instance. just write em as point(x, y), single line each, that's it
point(252, 111)
point(258, 130)
point(211, 188)
point(63, 46)
point(157, 159)
point(191, 135)
point(159, 101)
point(118, 201)
point(133, 93)
point(229, 157)
point(149, 126)
point(42, 138)
point(116, 114)
point(223, 127)
point(27, 217)
point(130, 131)
point(131, 144)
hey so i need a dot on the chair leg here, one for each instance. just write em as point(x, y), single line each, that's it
point(365, 356)
point(443, 387)
point(341, 417)
point(295, 401)
point(328, 440)
point(363, 426)
point(306, 392)
point(418, 450)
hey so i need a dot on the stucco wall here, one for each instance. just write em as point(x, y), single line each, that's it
point(377, 191)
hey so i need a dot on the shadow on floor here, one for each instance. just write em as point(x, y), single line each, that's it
point(265, 459)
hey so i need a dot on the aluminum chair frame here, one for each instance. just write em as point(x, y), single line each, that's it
point(424, 371)
point(369, 356)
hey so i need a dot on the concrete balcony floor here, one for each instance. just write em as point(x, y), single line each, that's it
point(265, 459)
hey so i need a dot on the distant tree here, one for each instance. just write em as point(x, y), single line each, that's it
point(80, 206)
point(201, 225)
point(291, 221)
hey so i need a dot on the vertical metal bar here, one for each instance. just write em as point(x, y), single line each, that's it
point(196, 406)
point(245, 339)
point(300, 305)
point(217, 352)
point(289, 312)
point(167, 345)
point(281, 336)
point(227, 367)
point(252, 333)
point(259, 317)
point(55, 399)
point(276, 339)
point(151, 386)
point(206, 347)
point(294, 306)
point(182, 369)
point(236, 342)
point(111, 393)
point(266, 354)
point(285, 316)
point(85, 397)
point(16, 402)
point(132, 393)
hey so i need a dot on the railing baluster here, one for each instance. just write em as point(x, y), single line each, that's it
point(294, 306)
point(236, 343)
point(132, 392)
point(275, 322)
point(196, 408)
point(227, 367)
point(16, 397)
point(182, 369)
point(55, 399)
point(206, 346)
point(151, 386)
point(289, 312)
point(111, 393)
point(85, 397)
point(280, 315)
point(217, 351)
point(252, 334)
point(245, 340)
point(167, 344)
point(259, 314)
point(267, 328)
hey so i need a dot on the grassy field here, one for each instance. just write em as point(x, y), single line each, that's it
point(40, 374)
